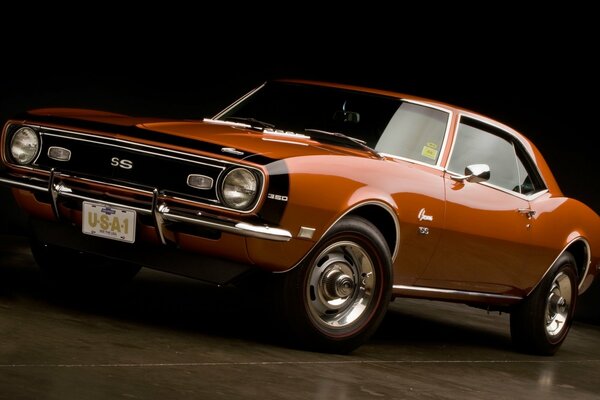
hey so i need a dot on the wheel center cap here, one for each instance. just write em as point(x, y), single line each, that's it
point(338, 284)
point(344, 285)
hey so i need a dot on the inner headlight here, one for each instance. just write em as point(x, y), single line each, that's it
point(239, 188)
point(24, 145)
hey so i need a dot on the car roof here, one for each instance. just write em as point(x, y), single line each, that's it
point(404, 96)
point(531, 148)
point(364, 89)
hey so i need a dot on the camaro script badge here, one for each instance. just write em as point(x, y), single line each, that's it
point(423, 216)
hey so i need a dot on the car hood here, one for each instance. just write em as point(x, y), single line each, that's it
point(237, 138)
point(228, 139)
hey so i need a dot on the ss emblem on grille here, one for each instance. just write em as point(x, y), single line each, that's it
point(121, 163)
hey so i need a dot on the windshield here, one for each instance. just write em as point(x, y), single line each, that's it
point(387, 124)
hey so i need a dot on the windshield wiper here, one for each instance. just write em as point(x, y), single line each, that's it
point(252, 121)
point(341, 138)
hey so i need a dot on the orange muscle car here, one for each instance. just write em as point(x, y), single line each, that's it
point(347, 196)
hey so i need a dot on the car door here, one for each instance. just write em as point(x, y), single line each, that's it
point(416, 133)
point(485, 244)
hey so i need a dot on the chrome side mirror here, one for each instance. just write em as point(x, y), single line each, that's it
point(474, 173)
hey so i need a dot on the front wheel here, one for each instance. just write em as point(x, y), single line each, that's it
point(540, 324)
point(335, 300)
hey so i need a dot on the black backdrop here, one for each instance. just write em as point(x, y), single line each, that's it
point(540, 84)
point(533, 70)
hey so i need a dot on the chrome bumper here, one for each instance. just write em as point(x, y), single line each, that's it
point(158, 210)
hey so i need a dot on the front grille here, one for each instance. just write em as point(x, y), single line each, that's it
point(101, 159)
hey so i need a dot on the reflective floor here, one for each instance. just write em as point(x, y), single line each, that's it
point(166, 337)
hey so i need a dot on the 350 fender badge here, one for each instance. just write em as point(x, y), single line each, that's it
point(277, 197)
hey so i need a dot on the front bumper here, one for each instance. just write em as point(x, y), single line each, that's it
point(207, 268)
point(158, 209)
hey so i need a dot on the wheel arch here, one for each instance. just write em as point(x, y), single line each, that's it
point(383, 218)
point(379, 214)
point(579, 248)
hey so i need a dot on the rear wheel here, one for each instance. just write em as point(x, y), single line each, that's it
point(540, 324)
point(335, 300)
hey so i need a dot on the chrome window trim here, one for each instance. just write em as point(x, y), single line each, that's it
point(410, 160)
point(238, 101)
point(487, 122)
point(516, 159)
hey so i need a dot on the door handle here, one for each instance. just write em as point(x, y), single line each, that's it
point(528, 212)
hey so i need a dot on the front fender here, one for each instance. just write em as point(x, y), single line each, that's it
point(321, 191)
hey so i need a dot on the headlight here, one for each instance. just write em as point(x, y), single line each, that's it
point(239, 188)
point(24, 145)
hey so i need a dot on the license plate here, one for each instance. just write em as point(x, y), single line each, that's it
point(108, 222)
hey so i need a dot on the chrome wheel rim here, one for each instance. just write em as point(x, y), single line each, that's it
point(558, 305)
point(340, 285)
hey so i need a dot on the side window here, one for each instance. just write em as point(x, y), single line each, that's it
point(414, 132)
point(510, 166)
point(529, 179)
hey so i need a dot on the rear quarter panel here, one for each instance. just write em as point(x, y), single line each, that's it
point(558, 222)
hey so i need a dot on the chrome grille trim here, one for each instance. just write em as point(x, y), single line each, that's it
point(152, 151)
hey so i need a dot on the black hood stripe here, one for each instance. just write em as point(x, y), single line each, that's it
point(279, 187)
point(141, 133)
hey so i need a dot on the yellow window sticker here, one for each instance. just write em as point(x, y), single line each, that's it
point(430, 151)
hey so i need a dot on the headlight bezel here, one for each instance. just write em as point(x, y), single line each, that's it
point(226, 199)
point(11, 144)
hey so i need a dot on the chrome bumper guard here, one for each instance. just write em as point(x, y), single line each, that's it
point(159, 211)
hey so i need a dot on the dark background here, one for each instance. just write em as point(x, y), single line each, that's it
point(533, 71)
point(539, 80)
